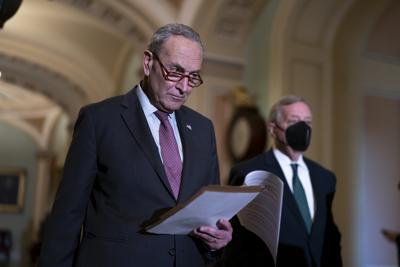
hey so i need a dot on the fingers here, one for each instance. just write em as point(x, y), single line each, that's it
point(210, 233)
point(223, 224)
point(215, 238)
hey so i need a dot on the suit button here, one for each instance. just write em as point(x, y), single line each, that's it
point(172, 252)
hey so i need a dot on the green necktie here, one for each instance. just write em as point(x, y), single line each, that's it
point(300, 196)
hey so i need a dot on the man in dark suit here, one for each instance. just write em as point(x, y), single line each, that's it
point(308, 235)
point(133, 157)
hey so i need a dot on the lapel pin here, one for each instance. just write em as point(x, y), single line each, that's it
point(189, 126)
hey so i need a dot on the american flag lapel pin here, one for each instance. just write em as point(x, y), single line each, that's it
point(189, 126)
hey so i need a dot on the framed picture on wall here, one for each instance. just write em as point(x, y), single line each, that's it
point(12, 189)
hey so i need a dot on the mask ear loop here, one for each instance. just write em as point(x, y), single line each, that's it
point(283, 130)
point(279, 127)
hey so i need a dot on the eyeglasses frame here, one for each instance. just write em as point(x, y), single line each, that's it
point(165, 72)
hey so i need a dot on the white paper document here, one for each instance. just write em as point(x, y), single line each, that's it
point(210, 204)
point(263, 215)
point(258, 204)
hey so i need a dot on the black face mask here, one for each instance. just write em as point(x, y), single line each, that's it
point(298, 136)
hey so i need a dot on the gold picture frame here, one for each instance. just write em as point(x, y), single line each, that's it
point(12, 189)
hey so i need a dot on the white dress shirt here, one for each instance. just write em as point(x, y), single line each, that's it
point(154, 122)
point(304, 176)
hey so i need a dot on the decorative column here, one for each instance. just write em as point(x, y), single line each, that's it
point(42, 203)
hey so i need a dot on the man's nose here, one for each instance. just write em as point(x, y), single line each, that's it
point(183, 85)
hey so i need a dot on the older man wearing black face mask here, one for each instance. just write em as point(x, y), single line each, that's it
point(308, 235)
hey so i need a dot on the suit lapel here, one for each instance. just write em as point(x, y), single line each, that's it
point(289, 200)
point(135, 120)
point(185, 131)
point(318, 196)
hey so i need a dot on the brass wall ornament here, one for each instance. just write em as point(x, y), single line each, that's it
point(246, 132)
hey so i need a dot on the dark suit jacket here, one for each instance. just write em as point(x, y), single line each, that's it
point(296, 248)
point(114, 182)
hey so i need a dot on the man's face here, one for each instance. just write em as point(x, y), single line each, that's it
point(178, 54)
point(290, 115)
point(294, 113)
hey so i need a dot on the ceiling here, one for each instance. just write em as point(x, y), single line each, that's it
point(66, 53)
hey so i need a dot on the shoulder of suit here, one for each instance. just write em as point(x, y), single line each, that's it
point(250, 164)
point(104, 104)
point(189, 113)
point(317, 167)
point(117, 100)
point(241, 169)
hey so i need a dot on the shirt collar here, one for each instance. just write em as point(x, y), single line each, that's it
point(285, 160)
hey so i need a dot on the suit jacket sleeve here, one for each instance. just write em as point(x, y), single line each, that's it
point(63, 226)
point(331, 253)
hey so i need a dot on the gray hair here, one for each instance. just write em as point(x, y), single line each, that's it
point(173, 29)
point(275, 115)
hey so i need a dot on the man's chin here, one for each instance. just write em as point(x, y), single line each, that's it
point(177, 103)
point(171, 107)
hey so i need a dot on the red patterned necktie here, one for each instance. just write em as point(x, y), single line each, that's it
point(170, 152)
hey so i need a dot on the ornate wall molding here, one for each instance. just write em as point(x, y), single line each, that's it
point(119, 15)
point(229, 26)
point(38, 78)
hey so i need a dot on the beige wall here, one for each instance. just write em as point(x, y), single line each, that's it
point(380, 177)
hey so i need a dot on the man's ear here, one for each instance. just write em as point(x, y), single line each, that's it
point(147, 62)
point(271, 128)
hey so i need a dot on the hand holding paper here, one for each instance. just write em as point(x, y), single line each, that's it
point(259, 202)
point(205, 208)
point(215, 238)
